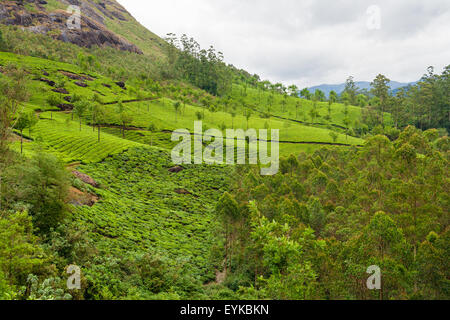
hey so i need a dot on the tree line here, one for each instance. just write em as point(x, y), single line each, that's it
point(311, 231)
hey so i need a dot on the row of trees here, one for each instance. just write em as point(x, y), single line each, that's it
point(202, 68)
point(425, 105)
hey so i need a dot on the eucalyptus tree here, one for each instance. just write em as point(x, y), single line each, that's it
point(248, 115)
point(100, 117)
point(333, 97)
point(298, 105)
point(80, 109)
point(176, 106)
point(305, 94)
point(380, 89)
point(293, 90)
point(319, 95)
point(351, 89)
point(23, 121)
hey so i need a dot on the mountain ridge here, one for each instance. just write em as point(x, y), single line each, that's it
point(339, 88)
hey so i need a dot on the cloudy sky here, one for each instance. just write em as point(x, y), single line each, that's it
point(310, 42)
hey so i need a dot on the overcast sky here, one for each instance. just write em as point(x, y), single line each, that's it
point(310, 42)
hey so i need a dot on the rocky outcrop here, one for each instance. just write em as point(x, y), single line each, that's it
point(176, 169)
point(61, 90)
point(47, 81)
point(85, 178)
point(93, 31)
point(66, 107)
point(75, 76)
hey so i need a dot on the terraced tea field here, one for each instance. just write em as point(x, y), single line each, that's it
point(64, 139)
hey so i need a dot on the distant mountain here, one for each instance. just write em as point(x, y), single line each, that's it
point(339, 88)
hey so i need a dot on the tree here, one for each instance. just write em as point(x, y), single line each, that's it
point(333, 98)
point(386, 239)
point(80, 109)
point(176, 106)
point(346, 122)
point(305, 94)
point(124, 117)
point(100, 117)
point(284, 103)
point(248, 115)
point(361, 100)
point(61, 83)
point(22, 123)
point(313, 115)
point(345, 97)
point(293, 90)
point(53, 101)
point(270, 99)
point(297, 106)
point(41, 187)
point(74, 99)
point(13, 93)
point(333, 136)
point(233, 115)
point(351, 90)
point(199, 115)
point(206, 103)
point(19, 251)
point(185, 100)
point(319, 95)
point(380, 89)
point(228, 210)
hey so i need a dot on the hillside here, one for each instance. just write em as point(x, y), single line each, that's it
point(87, 176)
point(103, 23)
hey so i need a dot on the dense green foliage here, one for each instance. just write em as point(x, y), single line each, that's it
point(145, 208)
point(86, 178)
point(204, 69)
point(425, 105)
point(318, 225)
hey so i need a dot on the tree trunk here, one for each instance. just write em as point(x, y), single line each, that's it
point(21, 142)
point(226, 251)
point(98, 133)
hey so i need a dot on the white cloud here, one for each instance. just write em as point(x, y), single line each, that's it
point(309, 42)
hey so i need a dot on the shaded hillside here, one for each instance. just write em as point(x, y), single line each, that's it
point(103, 23)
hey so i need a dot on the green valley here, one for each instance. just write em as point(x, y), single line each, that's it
point(88, 178)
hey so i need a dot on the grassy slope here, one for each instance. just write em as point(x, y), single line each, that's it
point(139, 209)
point(160, 112)
point(66, 140)
point(259, 99)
